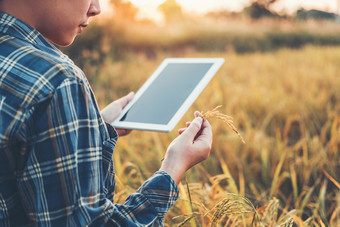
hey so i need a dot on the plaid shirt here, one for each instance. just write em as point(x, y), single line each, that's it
point(56, 165)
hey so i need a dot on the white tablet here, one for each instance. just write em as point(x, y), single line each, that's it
point(168, 93)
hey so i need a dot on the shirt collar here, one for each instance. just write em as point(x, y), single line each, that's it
point(9, 25)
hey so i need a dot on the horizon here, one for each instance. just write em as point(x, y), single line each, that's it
point(148, 9)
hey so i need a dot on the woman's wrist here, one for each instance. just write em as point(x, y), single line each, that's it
point(175, 173)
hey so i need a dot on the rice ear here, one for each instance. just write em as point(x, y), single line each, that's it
point(228, 120)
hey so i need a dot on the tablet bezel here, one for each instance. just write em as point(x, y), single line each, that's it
point(216, 64)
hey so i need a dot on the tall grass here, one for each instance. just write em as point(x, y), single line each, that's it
point(286, 105)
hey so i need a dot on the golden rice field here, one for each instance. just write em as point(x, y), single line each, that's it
point(286, 106)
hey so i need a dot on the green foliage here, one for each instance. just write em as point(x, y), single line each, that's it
point(257, 10)
point(303, 14)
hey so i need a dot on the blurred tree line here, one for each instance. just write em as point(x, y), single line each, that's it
point(256, 28)
point(172, 11)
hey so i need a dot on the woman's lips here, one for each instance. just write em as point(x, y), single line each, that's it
point(81, 26)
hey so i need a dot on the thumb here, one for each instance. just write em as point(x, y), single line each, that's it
point(126, 99)
point(194, 128)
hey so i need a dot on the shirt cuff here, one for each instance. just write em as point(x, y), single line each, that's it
point(161, 190)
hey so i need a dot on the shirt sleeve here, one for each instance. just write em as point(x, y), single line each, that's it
point(69, 176)
point(148, 205)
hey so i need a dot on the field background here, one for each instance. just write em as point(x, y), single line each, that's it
point(280, 83)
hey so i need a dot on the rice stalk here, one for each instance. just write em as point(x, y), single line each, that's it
point(277, 172)
point(307, 196)
point(187, 205)
point(186, 182)
point(294, 181)
point(321, 201)
point(337, 184)
point(242, 182)
point(307, 222)
point(232, 186)
point(289, 219)
point(270, 214)
point(254, 190)
point(236, 207)
point(188, 219)
point(228, 120)
point(335, 217)
point(295, 219)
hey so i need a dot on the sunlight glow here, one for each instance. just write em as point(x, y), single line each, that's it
point(148, 8)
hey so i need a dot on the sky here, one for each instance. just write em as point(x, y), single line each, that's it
point(148, 8)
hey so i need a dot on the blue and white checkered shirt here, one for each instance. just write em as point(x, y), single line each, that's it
point(56, 166)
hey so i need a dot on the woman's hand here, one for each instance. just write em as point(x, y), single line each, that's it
point(114, 109)
point(191, 147)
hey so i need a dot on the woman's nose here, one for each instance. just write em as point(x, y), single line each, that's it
point(94, 8)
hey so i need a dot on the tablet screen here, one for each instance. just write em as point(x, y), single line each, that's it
point(159, 104)
point(164, 98)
